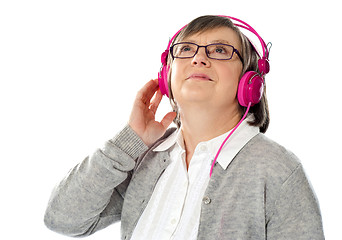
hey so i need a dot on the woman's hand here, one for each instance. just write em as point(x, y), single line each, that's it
point(142, 119)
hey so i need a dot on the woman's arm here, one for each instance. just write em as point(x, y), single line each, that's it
point(90, 197)
point(297, 214)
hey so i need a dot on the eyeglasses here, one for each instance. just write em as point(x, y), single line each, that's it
point(217, 51)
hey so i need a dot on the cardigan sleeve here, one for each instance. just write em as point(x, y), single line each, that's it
point(297, 214)
point(90, 197)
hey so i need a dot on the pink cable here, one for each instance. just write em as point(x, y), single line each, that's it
point(237, 125)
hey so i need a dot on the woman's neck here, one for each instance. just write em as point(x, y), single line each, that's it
point(199, 125)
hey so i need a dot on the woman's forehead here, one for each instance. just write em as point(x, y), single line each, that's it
point(220, 34)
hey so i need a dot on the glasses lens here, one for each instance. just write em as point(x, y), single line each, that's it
point(184, 50)
point(220, 51)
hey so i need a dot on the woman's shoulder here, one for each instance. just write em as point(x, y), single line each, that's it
point(271, 156)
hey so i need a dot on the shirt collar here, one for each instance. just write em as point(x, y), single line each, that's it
point(234, 144)
point(175, 137)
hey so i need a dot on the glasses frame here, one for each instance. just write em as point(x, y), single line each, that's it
point(206, 50)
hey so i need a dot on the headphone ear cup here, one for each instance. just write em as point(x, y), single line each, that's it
point(162, 79)
point(251, 88)
point(263, 65)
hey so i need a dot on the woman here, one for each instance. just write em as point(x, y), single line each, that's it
point(177, 184)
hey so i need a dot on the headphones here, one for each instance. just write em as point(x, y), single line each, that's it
point(251, 85)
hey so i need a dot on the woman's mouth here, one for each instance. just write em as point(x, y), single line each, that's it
point(199, 76)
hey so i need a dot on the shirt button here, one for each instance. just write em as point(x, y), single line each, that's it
point(173, 221)
point(203, 148)
point(206, 200)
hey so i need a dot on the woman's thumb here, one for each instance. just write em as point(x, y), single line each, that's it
point(168, 118)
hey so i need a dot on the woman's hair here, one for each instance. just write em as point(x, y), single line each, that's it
point(250, 63)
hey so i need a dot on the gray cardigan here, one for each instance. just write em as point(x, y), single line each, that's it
point(263, 194)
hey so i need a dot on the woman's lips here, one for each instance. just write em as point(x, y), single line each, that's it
point(200, 76)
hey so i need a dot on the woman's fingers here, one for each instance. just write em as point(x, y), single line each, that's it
point(156, 101)
point(146, 93)
point(142, 119)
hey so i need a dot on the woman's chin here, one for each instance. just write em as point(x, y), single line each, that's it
point(195, 95)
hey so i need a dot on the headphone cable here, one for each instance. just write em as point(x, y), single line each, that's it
point(223, 143)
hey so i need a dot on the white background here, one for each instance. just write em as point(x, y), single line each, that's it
point(69, 72)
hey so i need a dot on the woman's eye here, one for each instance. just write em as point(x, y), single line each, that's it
point(220, 50)
point(186, 49)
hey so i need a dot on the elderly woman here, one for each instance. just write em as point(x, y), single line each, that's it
point(215, 176)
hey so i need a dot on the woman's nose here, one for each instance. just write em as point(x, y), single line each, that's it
point(201, 58)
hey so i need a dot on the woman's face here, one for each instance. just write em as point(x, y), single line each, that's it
point(204, 80)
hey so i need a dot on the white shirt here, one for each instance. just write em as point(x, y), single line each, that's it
point(173, 212)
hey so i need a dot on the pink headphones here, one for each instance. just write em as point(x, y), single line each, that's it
point(251, 84)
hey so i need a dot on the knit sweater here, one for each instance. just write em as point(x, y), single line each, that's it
point(263, 194)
